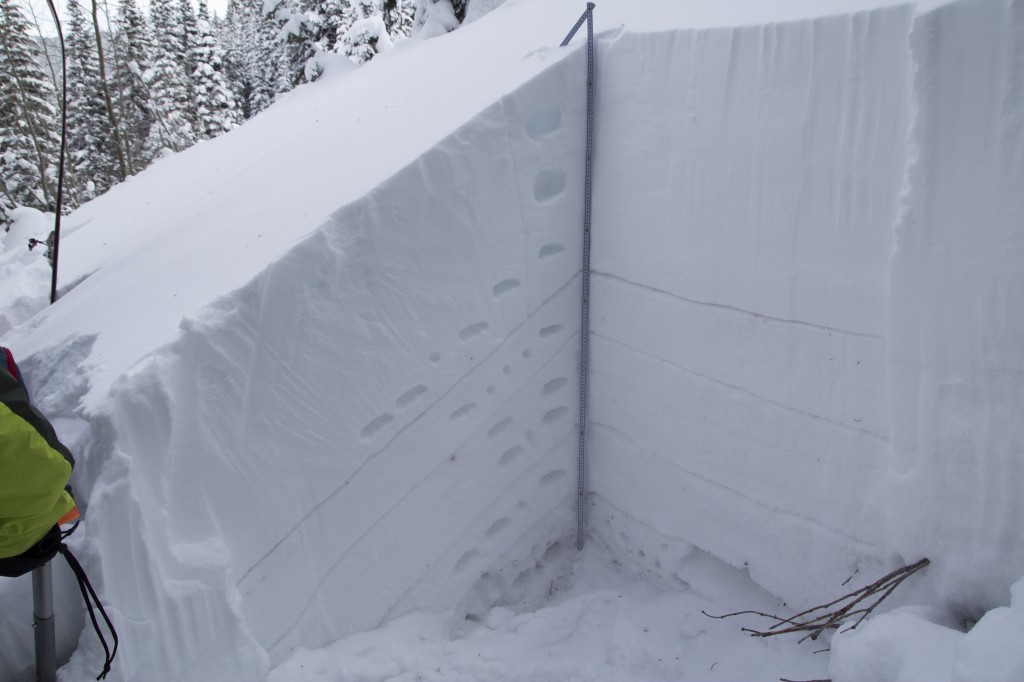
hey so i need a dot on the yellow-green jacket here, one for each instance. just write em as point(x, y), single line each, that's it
point(34, 469)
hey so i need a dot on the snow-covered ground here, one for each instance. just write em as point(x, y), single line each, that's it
point(321, 373)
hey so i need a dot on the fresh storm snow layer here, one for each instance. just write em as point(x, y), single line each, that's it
point(321, 373)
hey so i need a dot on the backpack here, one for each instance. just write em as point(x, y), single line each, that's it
point(15, 399)
point(52, 543)
point(34, 557)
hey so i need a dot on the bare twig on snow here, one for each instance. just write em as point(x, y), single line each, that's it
point(817, 620)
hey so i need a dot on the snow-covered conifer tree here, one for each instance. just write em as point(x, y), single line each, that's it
point(236, 36)
point(300, 27)
point(367, 35)
point(132, 61)
point(215, 102)
point(29, 128)
point(253, 60)
point(92, 158)
point(335, 18)
point(437, 17)
point(398, 17)
point(168, 84)
point(188, 34)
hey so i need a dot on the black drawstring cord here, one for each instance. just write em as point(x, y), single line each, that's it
point(65, 533)
point(89, 596)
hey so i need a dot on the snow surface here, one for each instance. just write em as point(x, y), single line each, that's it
point(321, 372)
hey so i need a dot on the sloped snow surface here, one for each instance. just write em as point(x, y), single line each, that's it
point(322, 372)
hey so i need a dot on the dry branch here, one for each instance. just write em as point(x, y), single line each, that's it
point(817, 620)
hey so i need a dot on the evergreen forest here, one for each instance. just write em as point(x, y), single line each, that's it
point(142, 84)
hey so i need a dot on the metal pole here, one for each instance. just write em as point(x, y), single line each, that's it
point(42, 622)
point(585, 322)
point(581, 488)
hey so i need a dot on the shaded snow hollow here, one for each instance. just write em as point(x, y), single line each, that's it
point(321, 372)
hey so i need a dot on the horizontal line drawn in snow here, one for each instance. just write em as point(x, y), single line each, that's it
point(834, 616)
point(588, 16)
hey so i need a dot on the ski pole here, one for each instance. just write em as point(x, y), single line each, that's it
point(42, 623)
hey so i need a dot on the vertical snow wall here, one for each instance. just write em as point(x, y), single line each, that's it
point(807, 329)
point(956, 329)
point(741, 396)
point(806, 349)
point(378, 422)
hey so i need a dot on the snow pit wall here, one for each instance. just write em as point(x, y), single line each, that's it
point(956, 328)
point(806, 350)
point(739, 318)
point(807, 338)
point(382, 421)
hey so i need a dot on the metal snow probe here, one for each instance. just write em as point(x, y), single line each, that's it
point(588, 16)
point(42, 623)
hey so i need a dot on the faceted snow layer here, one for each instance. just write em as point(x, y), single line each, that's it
point(322, 371)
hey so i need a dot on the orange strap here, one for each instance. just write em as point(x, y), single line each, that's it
point(70, 517)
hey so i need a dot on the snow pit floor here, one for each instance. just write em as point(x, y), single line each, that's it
point(600, 623)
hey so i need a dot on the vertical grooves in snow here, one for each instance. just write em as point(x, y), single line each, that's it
point(794, 159)
point(955, 303)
